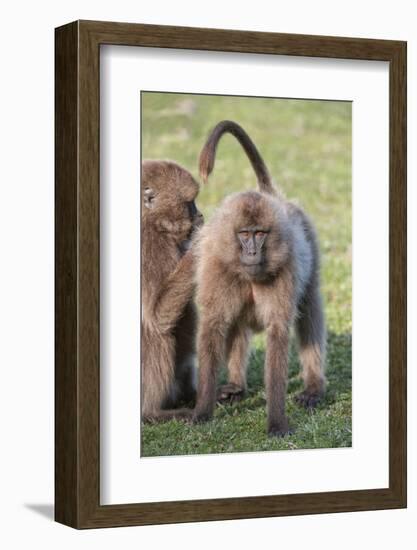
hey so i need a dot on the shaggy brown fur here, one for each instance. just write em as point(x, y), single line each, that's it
point(169, 217)
point(258, 269)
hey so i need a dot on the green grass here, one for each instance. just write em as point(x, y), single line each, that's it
point(307, 147)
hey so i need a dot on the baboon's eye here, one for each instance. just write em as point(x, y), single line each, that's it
point(244, 234)
point(260, 233)
point(149, 197)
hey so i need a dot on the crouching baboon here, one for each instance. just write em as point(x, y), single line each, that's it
point(169, 216)
point(257, 269)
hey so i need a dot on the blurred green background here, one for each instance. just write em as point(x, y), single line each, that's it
point(306, 145)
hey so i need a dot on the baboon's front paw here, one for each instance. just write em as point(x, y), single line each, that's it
point(308, 400)
point(280, 430)
point(230, 393)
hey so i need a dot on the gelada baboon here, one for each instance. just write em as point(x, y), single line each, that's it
point(169, 216)
point(257, 269)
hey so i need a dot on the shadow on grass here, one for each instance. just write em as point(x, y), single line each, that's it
point(338, 368)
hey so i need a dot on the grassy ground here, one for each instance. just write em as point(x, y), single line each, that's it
point(307, 147)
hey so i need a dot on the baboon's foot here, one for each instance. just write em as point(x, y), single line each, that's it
point(230, 393)
point(199, 417)
point(307, 399)
point(166, 415)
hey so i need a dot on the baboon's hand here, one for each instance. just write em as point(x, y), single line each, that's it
point(230, 393)
point(280, 429)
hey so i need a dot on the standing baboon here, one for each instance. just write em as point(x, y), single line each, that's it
point(169, 216)
point(258, 269)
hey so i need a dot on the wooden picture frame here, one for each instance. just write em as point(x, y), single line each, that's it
point(77, 375)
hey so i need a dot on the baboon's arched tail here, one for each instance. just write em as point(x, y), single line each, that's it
point(208, 154)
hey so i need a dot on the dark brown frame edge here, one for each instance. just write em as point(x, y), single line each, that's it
point(77, 274)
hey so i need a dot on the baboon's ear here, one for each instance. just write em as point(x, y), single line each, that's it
point(149, 197)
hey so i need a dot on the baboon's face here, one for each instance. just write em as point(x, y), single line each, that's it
point(176, 214)
point(251, 242)
point(169, 193)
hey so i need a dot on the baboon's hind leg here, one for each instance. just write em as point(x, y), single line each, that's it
point(159, 384)
point(237, 354)
point(311, 331)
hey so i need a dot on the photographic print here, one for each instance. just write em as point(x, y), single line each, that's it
point(218, 194)
point(246, 248)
